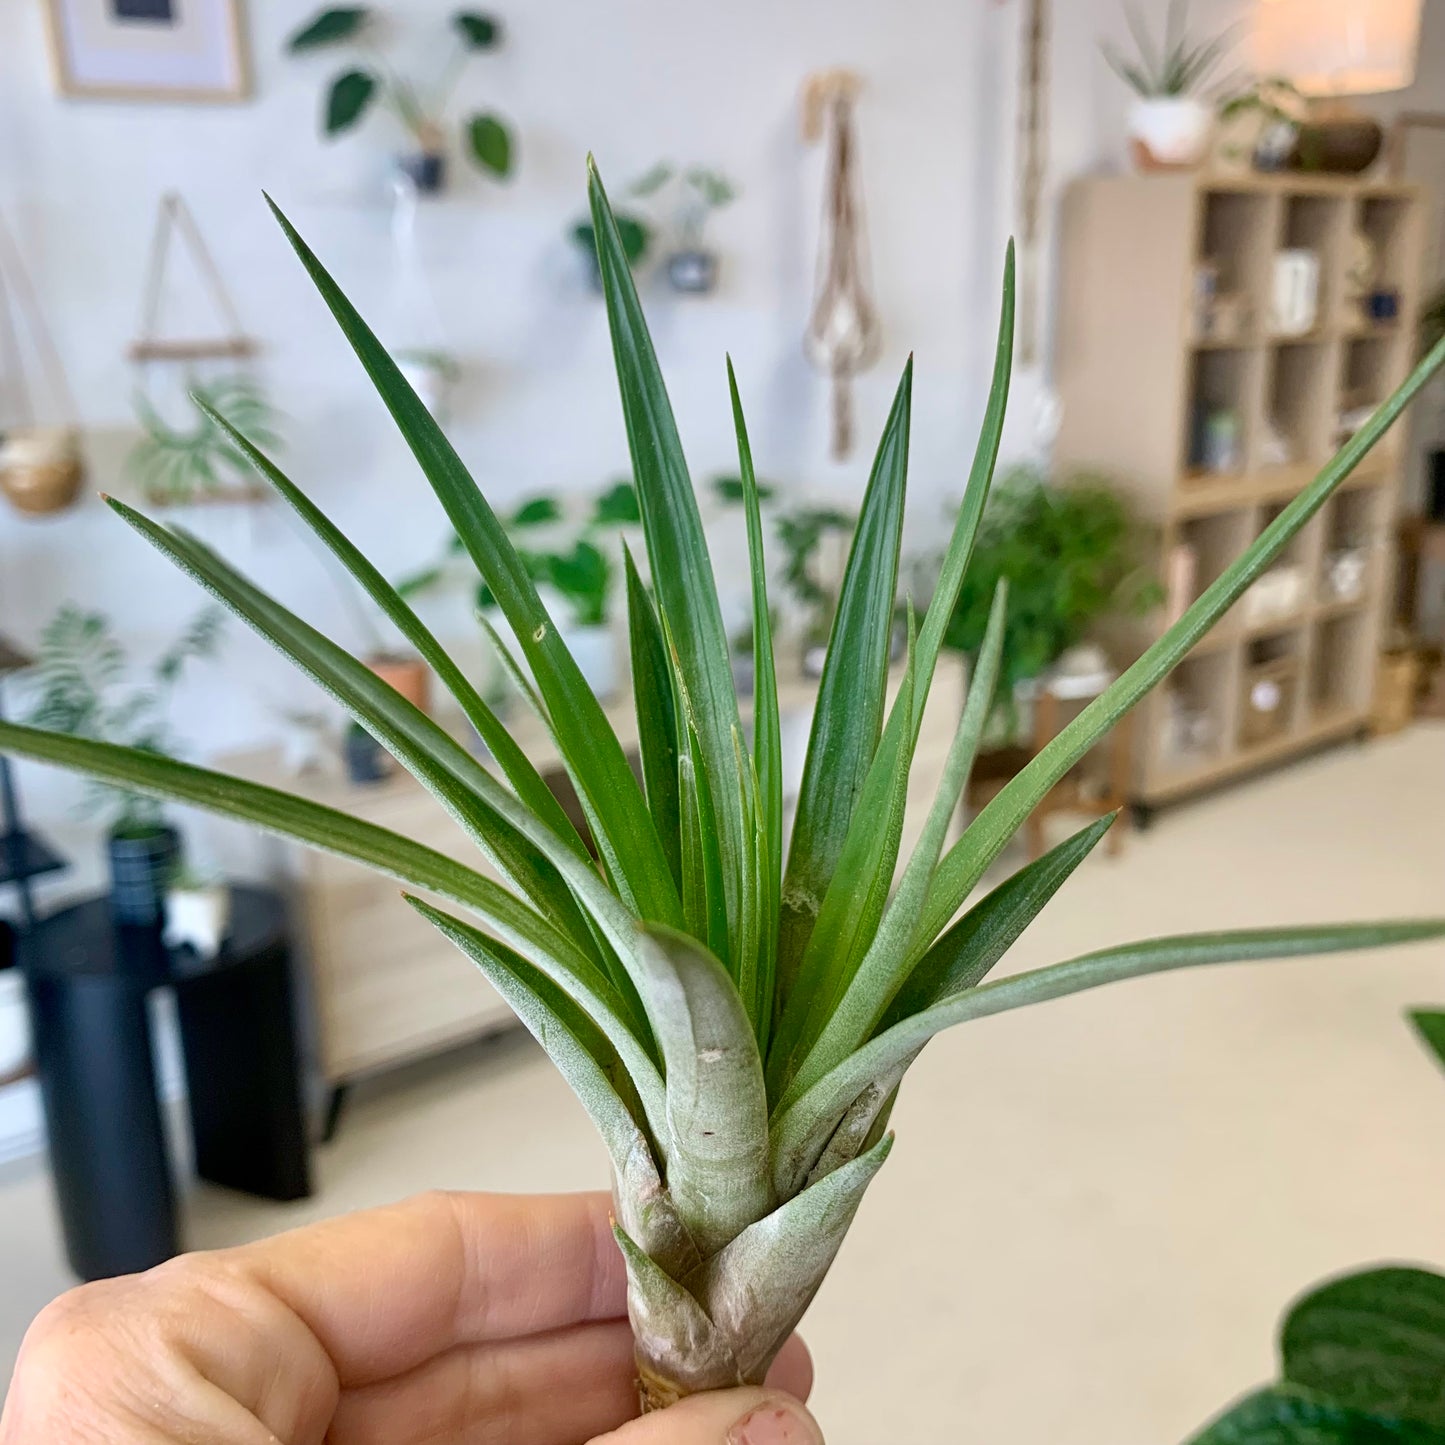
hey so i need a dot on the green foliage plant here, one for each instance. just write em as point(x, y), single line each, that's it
point(174, 465)
point(1176, 65)
point(1072, 555)
point(735, 1018)
point(1362, 1362)
point(369, 81)
point(82, 691)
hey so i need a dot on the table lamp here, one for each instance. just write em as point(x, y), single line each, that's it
point(1331, 50)
point(22, 855)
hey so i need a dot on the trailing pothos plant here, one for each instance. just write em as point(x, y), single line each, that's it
point(736, 1019)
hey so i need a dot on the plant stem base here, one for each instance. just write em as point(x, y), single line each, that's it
point(656, 1391)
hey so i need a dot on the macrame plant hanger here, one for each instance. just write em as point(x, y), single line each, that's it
point(40, 464)
point(1033, 172)
point(843, 336)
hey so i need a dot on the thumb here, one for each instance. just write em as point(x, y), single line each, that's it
point(724, 1417)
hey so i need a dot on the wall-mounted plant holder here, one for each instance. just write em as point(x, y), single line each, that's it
point(41, 467)
point(369, 84)
point(193, 459)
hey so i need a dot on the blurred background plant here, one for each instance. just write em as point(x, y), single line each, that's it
point(420, 109)
point(1073, 555)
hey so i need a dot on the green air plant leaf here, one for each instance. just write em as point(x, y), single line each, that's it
point(738, 1043)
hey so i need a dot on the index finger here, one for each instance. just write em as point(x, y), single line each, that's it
point(387, 1289)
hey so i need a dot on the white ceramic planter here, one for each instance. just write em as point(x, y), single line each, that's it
point(198, 916)
point(1170, 133)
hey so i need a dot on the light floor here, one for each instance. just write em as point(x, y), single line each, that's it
point(1095, 1210)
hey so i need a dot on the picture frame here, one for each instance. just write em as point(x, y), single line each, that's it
point(149, 50)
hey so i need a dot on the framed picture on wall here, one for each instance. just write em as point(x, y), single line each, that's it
point(148, 50)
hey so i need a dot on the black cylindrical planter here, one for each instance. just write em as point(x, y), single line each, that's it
point(366, 760)
point(140, 872)
point(92, 1042)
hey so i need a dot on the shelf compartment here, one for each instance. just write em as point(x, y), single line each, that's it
point(1195, 724)
point(1341, 668)
point(1355, 528)
point(1237, 239)
point(1270, 691)
point(1223, 387)
point(1369, 371)
point(1200, 550)
point(1384, 221)
point(1296, 427)
point(1320, 224)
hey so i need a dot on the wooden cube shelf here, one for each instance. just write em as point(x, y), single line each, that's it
point(1182, 381)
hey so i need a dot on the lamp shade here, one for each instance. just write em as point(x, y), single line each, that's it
point(1338, 47)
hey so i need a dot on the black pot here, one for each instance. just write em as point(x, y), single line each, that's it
point(426, 171)
point(141, 869)
point(692, 271)
point(366, 760)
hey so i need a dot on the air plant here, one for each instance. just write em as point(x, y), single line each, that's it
point(736, 1022)
point(1177, 66)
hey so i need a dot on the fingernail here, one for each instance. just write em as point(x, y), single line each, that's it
point(776, 1423)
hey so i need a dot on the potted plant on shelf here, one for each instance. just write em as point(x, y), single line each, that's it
point(1261, 125)
point(421, 111)
point(1171, 120)
point(735, 1015)
point(81, 675)
point(1073, 555)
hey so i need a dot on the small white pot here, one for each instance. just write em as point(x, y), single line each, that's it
point(198, 916)
point(595, 649)
point(1170, 133)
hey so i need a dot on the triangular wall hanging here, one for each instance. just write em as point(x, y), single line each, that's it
point(191, 461)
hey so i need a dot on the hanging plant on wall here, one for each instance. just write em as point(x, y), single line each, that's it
point(420, 109)
point(197, 460)
point(193, 459)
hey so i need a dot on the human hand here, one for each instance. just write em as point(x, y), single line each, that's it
point(451, 1319)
